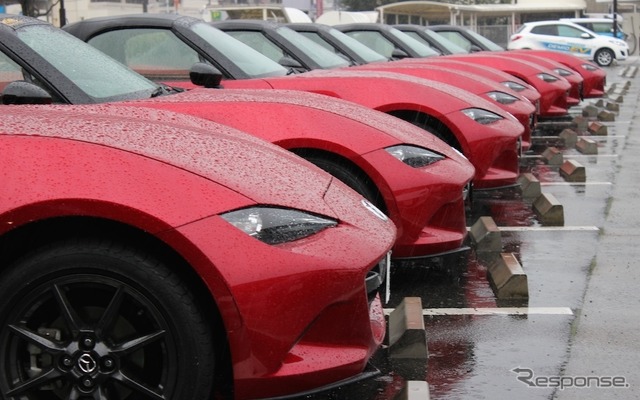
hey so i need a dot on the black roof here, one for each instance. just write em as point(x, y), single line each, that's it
point(83, 29)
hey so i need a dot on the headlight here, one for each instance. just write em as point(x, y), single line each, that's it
point(502, 97)
point(514, 86)
point(414, 156)
point(481, 116)
point(277, 225)
point(547, 77)
point(562, 72)
point(589, 67)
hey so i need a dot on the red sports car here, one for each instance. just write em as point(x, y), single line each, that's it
point(575, 94)
point(311, 56)
point(553, 89)
point(147, 254)
point(416, 179)
point(594, 77)
point(154, 44)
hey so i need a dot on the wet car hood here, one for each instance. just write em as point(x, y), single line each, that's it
point(448, 90)
point(249, 166)
point(399, 131)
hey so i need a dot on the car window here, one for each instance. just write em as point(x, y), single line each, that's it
point(90, 70)
point(154, 53)
point(551, 30)
point(457, 39)
point(9, 71)
point(417, 46)
point(569, 31)
point(259, 42)
point(486, 43)
point(604, 28)
point(319, 41)
point(365, 52)
point(375, 41)
point(446, 43)
point(323, 58)
point(253, 63)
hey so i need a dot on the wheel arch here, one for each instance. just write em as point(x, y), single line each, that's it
point(430, 123)
point(307, 152)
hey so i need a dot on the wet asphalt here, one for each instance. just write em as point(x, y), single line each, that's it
point(577, 336)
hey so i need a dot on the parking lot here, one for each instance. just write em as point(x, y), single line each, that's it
point(574, 334)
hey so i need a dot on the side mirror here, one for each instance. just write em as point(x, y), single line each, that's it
point(474, 49)
point(206, 75)
point(398, 54)
point(22, 92)
point(585, 35)
point(289, 62)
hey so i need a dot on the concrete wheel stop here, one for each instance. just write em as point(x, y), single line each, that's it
point(407, 351)
point(507, 278)
point(529, 185)
point(573, 171)
point(552, 156)
point(549, 210)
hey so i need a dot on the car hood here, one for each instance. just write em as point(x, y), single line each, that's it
point(371, 81)
point(260, 171)
point(395, 130)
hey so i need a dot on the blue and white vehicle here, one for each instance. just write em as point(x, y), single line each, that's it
point(567, 37)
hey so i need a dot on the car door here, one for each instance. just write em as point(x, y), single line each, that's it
point(580, 42)
point(563, 38)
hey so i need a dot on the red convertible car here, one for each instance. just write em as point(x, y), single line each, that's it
point(553, 89)
point(155, 44)
point(416, 179)
point(150, 255)
point(593, 75)
point(364, 58)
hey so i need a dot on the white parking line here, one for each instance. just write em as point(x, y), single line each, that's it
point(575, 183)
point(494, 311)
point(539, 156)
point(546, 228)
point(593, 155)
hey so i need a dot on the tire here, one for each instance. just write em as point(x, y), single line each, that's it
point(97, 320)
point(604, 57)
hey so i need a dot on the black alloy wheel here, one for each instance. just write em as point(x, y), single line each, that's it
point(95, 320)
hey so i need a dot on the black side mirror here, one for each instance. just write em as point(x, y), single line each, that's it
point(22, 92)
point(206, 75)
point(398, 54)
point(289, 62)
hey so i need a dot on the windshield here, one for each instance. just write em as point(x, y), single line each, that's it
point(93, 72)
point(420, 48)
point(251, 62)
point(324, 58)
point(444, 42)
point(485, 42)
point(364, 52)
